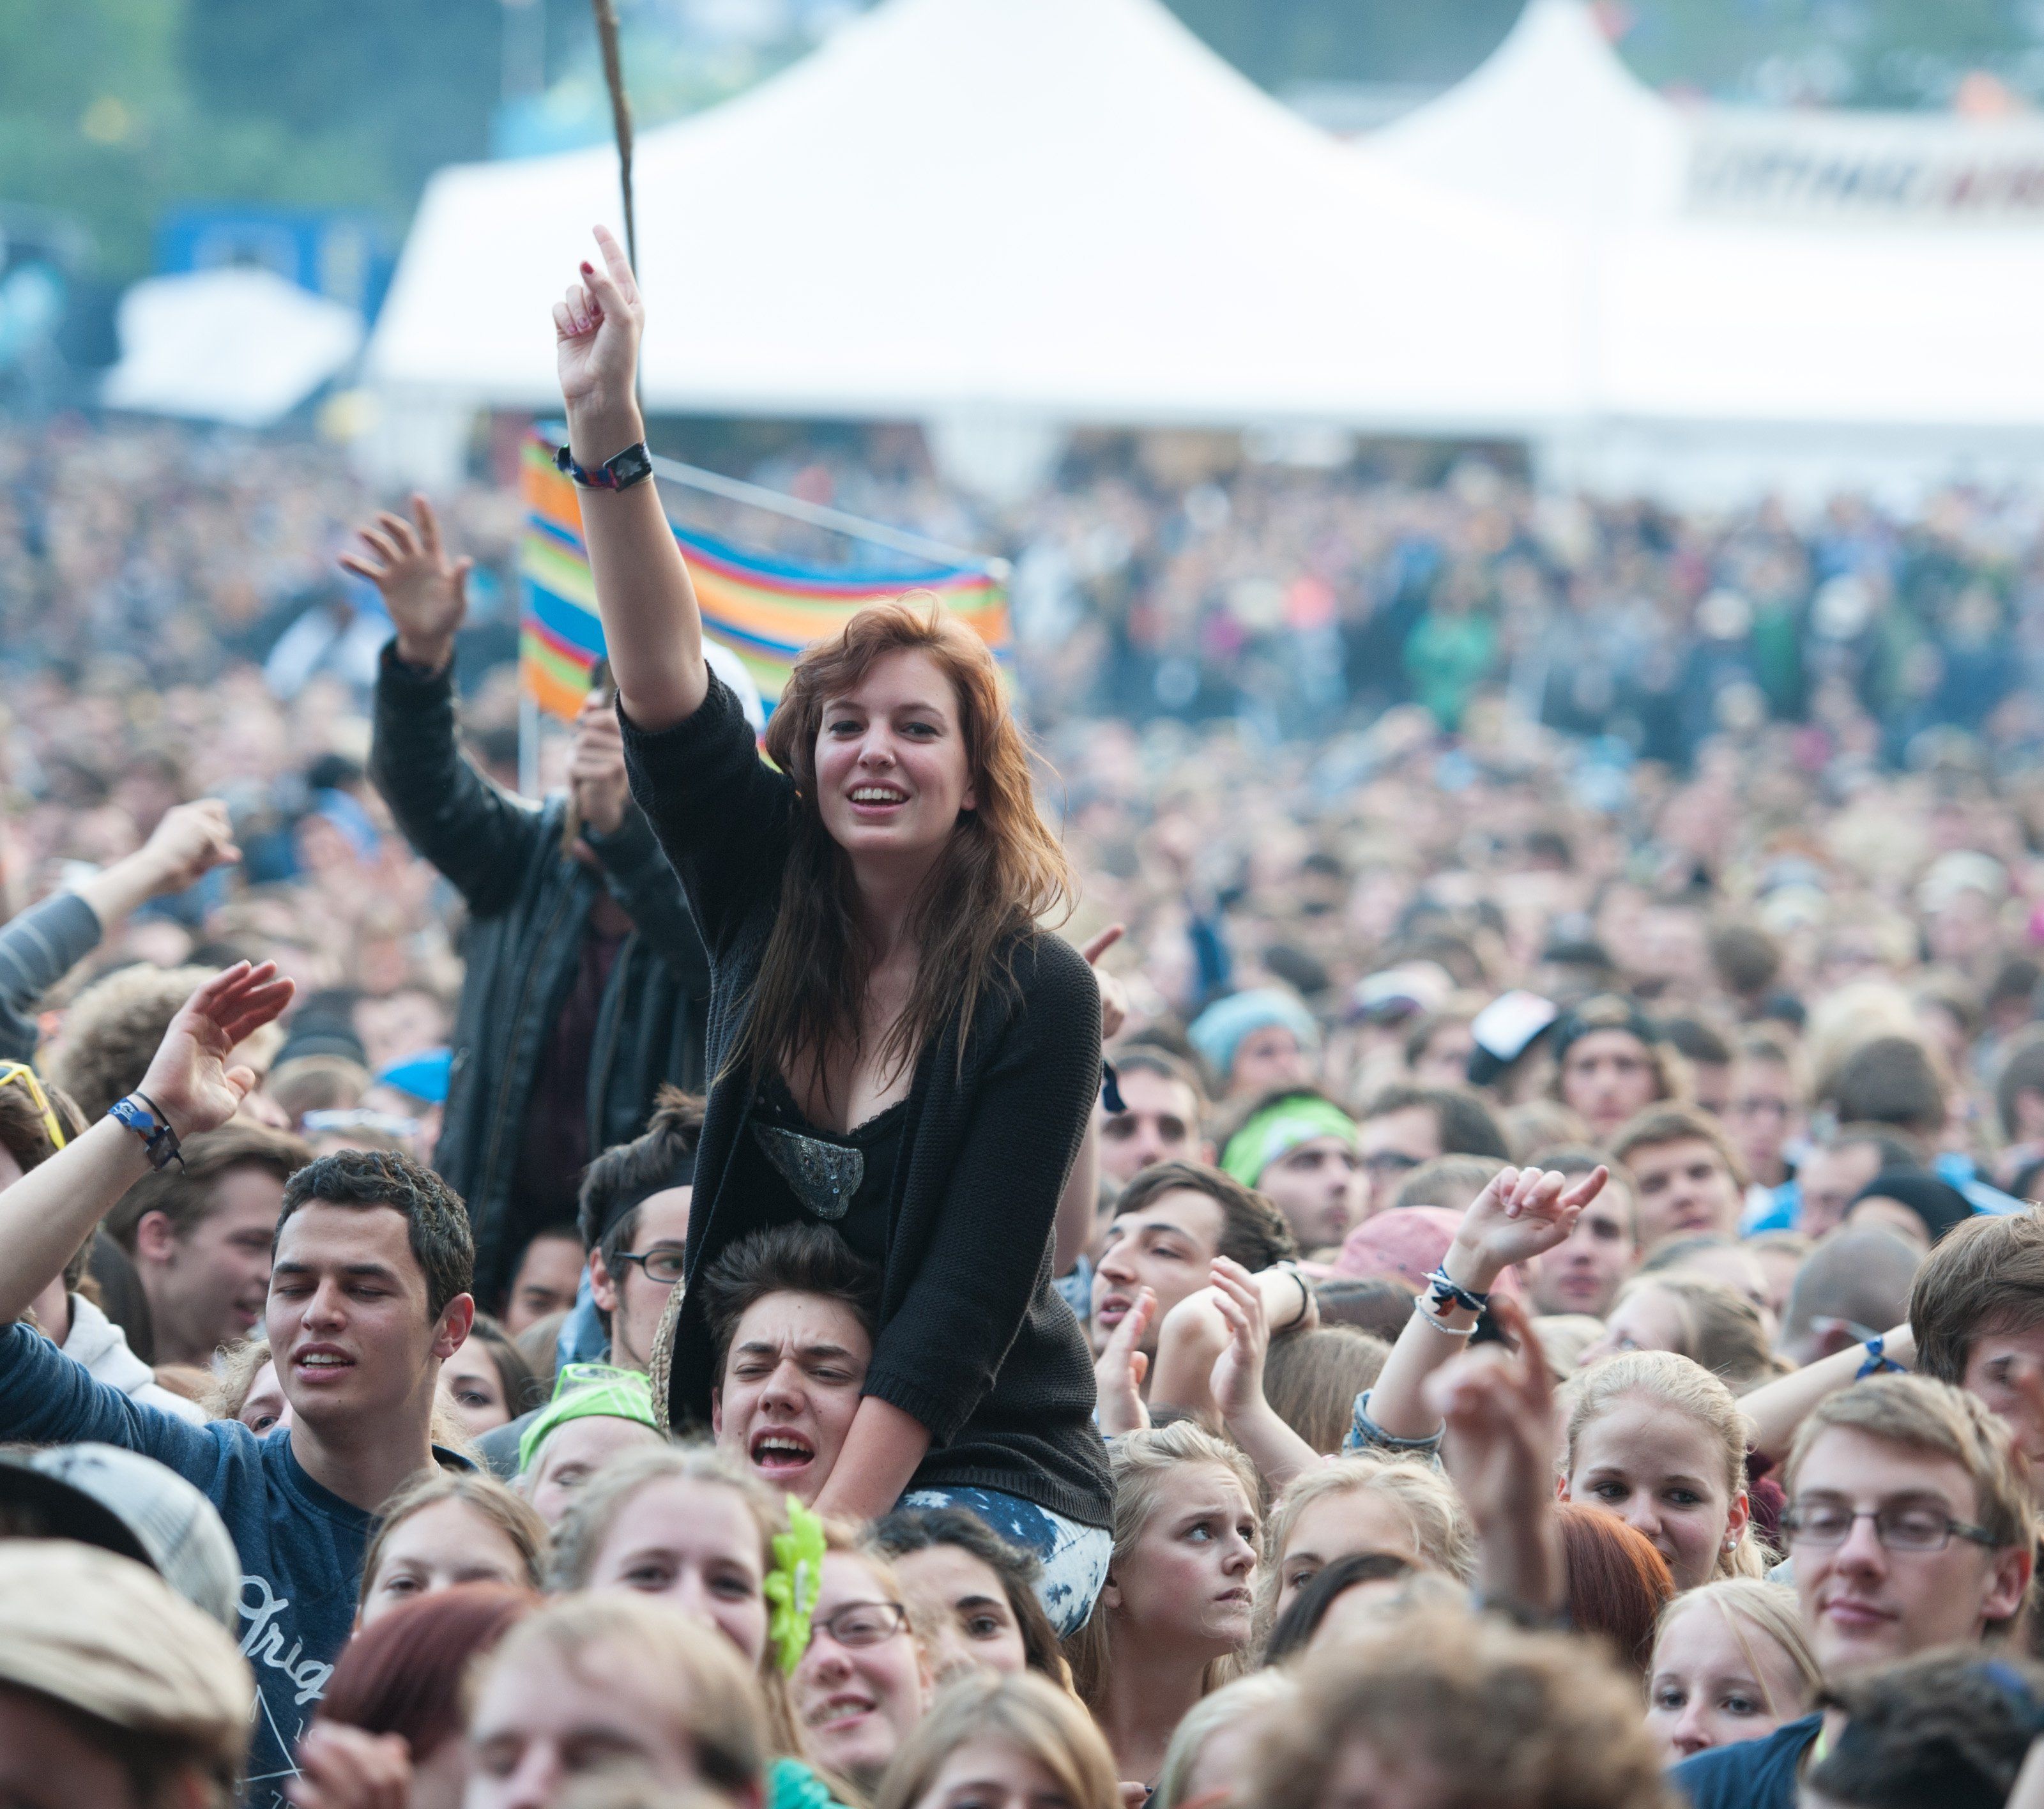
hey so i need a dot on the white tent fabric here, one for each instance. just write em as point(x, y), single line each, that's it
point(1551, 123)
point(1720, 354)
point(243, 347)
point(1062, 210)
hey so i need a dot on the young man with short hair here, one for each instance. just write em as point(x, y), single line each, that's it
point(1171, 1223)
point(1163, 1121)
point(200, 1234)
point(1831, 1173)
point(1402, 1127)
point(1688, 1176)
point(368, 1296)
point(1910, 1525)
point(546, 1276)
point(1584, 1273)
point(792, 1314)
point(1977, 1312)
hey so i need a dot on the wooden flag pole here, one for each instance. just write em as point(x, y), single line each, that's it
point(620, 114)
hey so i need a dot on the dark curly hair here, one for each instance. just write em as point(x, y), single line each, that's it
point(435, 1218)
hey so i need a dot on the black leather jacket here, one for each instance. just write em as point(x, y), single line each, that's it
point(528, 905)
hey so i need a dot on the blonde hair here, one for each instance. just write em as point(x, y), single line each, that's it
point(235, 1370)
point(1722, 1329)
point(713, 1694)
point(1312, 1379)
point(1441, 1530)
point(584, 1529)
point(1255, 1695)
point(1685, 1387)
point(1140, 1461)
point(504, 1508)
point(1034, 1717)
point(1535, 1720)
point(1747, 1605)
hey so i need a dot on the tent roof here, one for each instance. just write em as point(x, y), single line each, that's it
point(240, 346)
point(1071, 209)
point(1552, 123)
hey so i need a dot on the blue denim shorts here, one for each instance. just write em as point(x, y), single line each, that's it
point(1074, 1557)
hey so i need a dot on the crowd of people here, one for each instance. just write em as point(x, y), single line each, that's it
point(1426, 1202)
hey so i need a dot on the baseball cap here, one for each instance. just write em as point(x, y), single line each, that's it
point(104, 1635)
point(123, 1502)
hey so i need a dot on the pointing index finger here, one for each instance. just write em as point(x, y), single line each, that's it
point(617, 264)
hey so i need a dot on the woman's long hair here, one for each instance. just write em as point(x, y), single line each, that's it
point(1000, 871)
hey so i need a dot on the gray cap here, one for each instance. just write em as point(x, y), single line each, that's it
point(124, 1502)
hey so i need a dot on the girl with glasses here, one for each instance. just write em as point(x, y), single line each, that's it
point(863, 1684)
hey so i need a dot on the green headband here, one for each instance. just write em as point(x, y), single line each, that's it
point(1283, 1126)
point(586, 1391)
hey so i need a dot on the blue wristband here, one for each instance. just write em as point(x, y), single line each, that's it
point(1878, 1362)
point(140, 1115)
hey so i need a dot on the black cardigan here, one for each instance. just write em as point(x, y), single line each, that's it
point(973, 1340)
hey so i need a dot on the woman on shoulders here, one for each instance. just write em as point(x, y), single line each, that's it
point(898, 1051)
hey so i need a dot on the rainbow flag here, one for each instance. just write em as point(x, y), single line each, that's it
point(766, 610)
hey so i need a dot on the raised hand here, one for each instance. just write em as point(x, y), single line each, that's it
point(596, 327)
point(1119, 1371)
point(189, 1079)
point(1521, 1213)
point(1238, 1372)
point(1113, 994)
point(190, 841)
point(426, 592)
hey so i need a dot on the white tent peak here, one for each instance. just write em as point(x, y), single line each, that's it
point(1069, 210)
point(1553, 123)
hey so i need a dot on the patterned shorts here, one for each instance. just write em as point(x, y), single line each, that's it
point(1074, 1557)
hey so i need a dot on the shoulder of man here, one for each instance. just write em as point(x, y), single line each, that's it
point(1752, 1774)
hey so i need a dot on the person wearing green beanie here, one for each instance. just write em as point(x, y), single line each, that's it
point(1302, 1152)
point(596, 1412)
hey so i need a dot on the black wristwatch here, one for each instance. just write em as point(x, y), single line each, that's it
point(632, 465)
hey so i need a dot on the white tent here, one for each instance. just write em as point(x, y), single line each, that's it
point(240, 346)
point(1552, 124)
point(1054, 210)
point(1736, 333)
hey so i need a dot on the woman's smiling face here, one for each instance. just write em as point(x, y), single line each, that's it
point(892, 770)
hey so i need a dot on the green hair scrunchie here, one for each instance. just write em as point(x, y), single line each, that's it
point(795, 1582)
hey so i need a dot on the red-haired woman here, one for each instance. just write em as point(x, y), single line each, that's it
point(899, 1051)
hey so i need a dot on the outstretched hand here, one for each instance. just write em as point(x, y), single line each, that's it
point(426, 592)
point(1523, 1213)
point(1120, 1369)
point(1113, 993)
point(189, 1079)
point(596, 327)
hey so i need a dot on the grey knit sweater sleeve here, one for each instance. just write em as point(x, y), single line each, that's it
point(38, 949)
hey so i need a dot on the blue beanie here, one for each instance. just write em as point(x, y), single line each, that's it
point(1217, 1031)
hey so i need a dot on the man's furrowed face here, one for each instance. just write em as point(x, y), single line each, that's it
point(348, 1317)
point(792, 1382)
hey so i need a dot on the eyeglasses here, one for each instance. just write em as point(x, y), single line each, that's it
point(860, 1624)
point(665, 1265)
point(13, 1073)
point(1911, 1527)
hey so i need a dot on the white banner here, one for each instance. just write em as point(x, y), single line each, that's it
point(1871, 168)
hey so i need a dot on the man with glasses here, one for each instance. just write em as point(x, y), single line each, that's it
point(1402, 1127)
point(633, 1215)
point(1911, 1527)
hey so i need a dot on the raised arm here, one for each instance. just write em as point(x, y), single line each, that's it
point(190, 841)
point(1521, 1214)
point(651, 626)
point(1777, 1409)
point(49, 1213)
